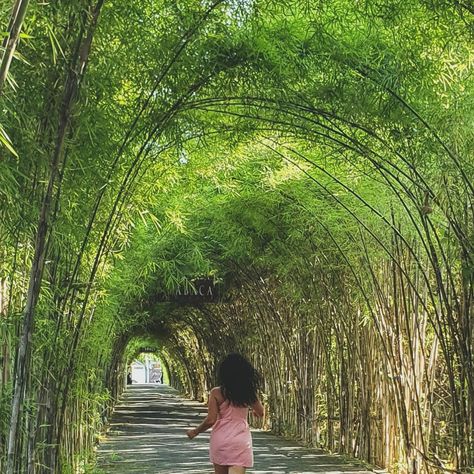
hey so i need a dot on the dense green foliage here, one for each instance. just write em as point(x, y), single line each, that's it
point(315, 158)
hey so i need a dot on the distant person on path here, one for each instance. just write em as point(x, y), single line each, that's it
point(160, 376)
point(231, 442)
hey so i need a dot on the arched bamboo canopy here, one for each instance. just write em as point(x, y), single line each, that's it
point(312, 159)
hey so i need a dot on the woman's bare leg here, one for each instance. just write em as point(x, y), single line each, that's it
point(218, 469)
point(236, 470)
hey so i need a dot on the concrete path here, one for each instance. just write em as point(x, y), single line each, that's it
point(148, 435)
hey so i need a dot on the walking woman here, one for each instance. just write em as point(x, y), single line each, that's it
point(231, 442)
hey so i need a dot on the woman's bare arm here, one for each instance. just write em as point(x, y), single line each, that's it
point(212, 410)
point(258, 408)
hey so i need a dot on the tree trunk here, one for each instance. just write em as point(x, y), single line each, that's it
point(73, 82)
point(11, 41)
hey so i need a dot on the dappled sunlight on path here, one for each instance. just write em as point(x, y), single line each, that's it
point(147, 435)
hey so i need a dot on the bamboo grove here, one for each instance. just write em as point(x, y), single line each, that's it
point(313, 157)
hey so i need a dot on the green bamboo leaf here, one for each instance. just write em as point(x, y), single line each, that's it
point(6, 142)
point(55, 44)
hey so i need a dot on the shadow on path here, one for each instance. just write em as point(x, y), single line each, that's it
point(148, 435)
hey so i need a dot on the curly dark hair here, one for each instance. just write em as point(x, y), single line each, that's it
point(238, 379)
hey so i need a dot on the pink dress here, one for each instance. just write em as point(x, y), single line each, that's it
point(231, 441)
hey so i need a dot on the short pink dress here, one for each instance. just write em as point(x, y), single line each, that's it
point(231, 441)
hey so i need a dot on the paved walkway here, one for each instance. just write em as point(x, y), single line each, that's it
point(148, 435)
